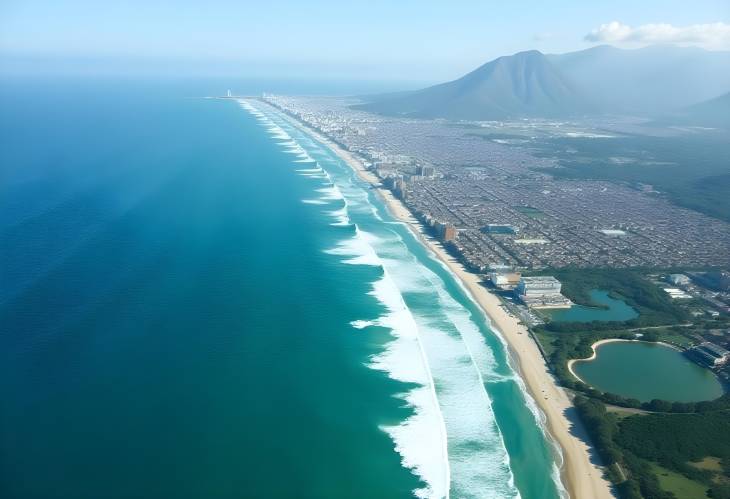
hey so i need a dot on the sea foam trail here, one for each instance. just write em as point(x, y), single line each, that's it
point(478, 460)
point(436, 344)
point(420, 439)
point(540, 418)
point(459, 357)
point(404, 360)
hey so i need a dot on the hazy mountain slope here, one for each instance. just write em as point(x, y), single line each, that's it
point(713, 113)
point(523, 85)
point(650, 80)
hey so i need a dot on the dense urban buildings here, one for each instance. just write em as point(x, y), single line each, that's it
point(502, 201)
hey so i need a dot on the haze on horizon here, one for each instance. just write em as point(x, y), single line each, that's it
point(376, 40)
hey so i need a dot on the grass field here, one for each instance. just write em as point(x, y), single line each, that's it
point(709, 463)
point(678, 484)
point(546, 339)
point(676, 338)
point(622, 412)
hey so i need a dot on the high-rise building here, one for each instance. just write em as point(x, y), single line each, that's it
point(426, 171)
point(400, 187)
point(538, 286)
point(678, 279)
point(505, 279)
point(450, 233)
point(541, 292)
point(445, 232)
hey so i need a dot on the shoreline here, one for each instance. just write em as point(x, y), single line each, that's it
point(594, 354)
point(594, 348)
point(578, 474)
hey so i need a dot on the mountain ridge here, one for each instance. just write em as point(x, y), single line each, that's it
point(520, 85)
point(650, 81)
point(712, 113)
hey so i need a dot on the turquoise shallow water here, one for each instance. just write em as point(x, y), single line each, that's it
point(200, 302)
point(647, 371)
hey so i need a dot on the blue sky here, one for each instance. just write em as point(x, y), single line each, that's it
point(426, 40)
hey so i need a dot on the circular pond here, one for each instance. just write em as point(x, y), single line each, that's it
point(646, 371)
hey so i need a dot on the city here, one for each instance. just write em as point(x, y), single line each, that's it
point(476, 182)
point(365, 250)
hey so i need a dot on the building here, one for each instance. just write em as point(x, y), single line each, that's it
point(709, 354)
point(498, 229)
point(445, 232)
point(537, 286)
point(426, 171)
point(450, 233)
point(677, 294)
point(385, 173)
point(678, 279)
point(505, 280)
point(399, 188)
point(541, 292)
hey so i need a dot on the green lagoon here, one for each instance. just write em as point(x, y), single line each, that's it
point(615, 310)
point(647, 371)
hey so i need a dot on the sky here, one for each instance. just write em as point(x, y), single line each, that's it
point(375, 39)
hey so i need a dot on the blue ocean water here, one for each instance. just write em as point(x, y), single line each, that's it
point(199, 300)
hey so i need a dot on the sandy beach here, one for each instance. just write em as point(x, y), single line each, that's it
point(580, 476)
point(594, 347)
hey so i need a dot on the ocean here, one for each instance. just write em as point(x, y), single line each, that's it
point(197, 299)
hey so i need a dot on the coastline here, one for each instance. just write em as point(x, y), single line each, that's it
point(579, 475)
point(593, 355)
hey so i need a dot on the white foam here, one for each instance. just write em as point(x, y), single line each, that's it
point(358, 251)
point(361, 324)
point(492, 377)
point(435, 345)
point(454, 347)
point(330, 193)
point(341, 216)
point(472, 430)
point(404, 360)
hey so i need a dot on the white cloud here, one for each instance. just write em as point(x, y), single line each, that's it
point(711, 36)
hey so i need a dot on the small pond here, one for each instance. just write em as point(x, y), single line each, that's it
point(616, 310)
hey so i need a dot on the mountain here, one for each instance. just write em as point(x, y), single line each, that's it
point(647, 81)
point(713, 113)
point(522, 85)
point(650, 81)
